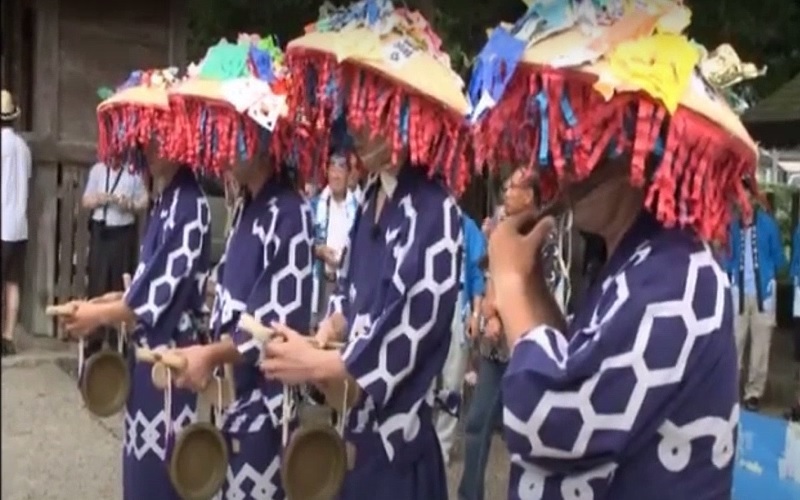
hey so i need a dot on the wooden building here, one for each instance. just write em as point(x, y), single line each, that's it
point(775, 120)
point(55, 55)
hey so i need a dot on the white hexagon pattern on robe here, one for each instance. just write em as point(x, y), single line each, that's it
point(593, 421)
point(412, 326)
point(177, 261)
point(294, 272)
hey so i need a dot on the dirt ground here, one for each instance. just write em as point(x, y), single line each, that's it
point(52, 449)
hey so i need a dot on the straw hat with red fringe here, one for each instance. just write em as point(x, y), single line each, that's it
point(232, 106)
point(373, 65)
point(572, 84)
point(134, 114)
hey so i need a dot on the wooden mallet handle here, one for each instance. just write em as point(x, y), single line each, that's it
point(67, 309)
point(266, 334)
point(166, 358)
point(254, 327)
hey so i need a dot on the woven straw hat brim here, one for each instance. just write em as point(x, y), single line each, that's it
point(148, 97)
point(716, 110)
point(199, 88)
point(420, 72)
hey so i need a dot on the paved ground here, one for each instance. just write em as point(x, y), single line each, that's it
point(45, 431)
point(52, 449)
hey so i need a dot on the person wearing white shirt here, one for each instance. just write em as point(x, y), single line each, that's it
point(15, 179)
point(114, 196)
point(334, 211)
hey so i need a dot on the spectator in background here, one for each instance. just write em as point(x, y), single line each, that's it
point(114, 198)
point(15, 180)
point(333, 211)
point(465, 324)
point(756, 258)
point(794, 272)
point(520, 194)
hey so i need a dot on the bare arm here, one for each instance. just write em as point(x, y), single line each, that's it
point(141, 198)
point(92, 196)
point(26, 159)
point(223, 352)
point(115, 312)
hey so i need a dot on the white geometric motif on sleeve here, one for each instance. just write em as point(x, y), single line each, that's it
point(634, 360)
point(412, 328)
point(675, 447)
point(183, 254)
point(532, 481)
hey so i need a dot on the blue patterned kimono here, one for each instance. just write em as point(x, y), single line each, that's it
point(167, 296)
point(266, 272)
point(399, 301)
point(641, 401)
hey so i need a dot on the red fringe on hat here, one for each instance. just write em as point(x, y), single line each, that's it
point(696, 184)
point(437, 136)
point(206, 135)
point(124, 127)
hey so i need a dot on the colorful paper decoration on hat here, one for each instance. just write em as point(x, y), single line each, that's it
point(575, 83)
point(134, 114)
point(383, 69)
point(233, 105)
point(723, 69)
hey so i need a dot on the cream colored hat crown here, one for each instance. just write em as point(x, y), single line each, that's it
point(573, 84)
point(373, 66)
point(135, 113)
point(8, 108)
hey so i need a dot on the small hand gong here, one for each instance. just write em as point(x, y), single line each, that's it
point(199, 462)
point(105, 383)
point(314, 463)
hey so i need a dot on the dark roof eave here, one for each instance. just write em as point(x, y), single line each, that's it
point(780, 135)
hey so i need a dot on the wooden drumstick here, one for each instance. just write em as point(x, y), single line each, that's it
point(67, 309)
point(163, 362)
point(167, 358)
point(252, 326)
point(337, 392)
point(266, 334)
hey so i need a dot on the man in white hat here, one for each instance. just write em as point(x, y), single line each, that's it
point(15, 177)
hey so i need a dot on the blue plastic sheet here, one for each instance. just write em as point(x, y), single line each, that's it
point(767, 460)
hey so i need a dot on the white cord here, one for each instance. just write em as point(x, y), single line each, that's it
point(121, 338)
point(218, 411)
point(343, 414)
point(168, 408)
point(81, 346)
point(285, 410)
